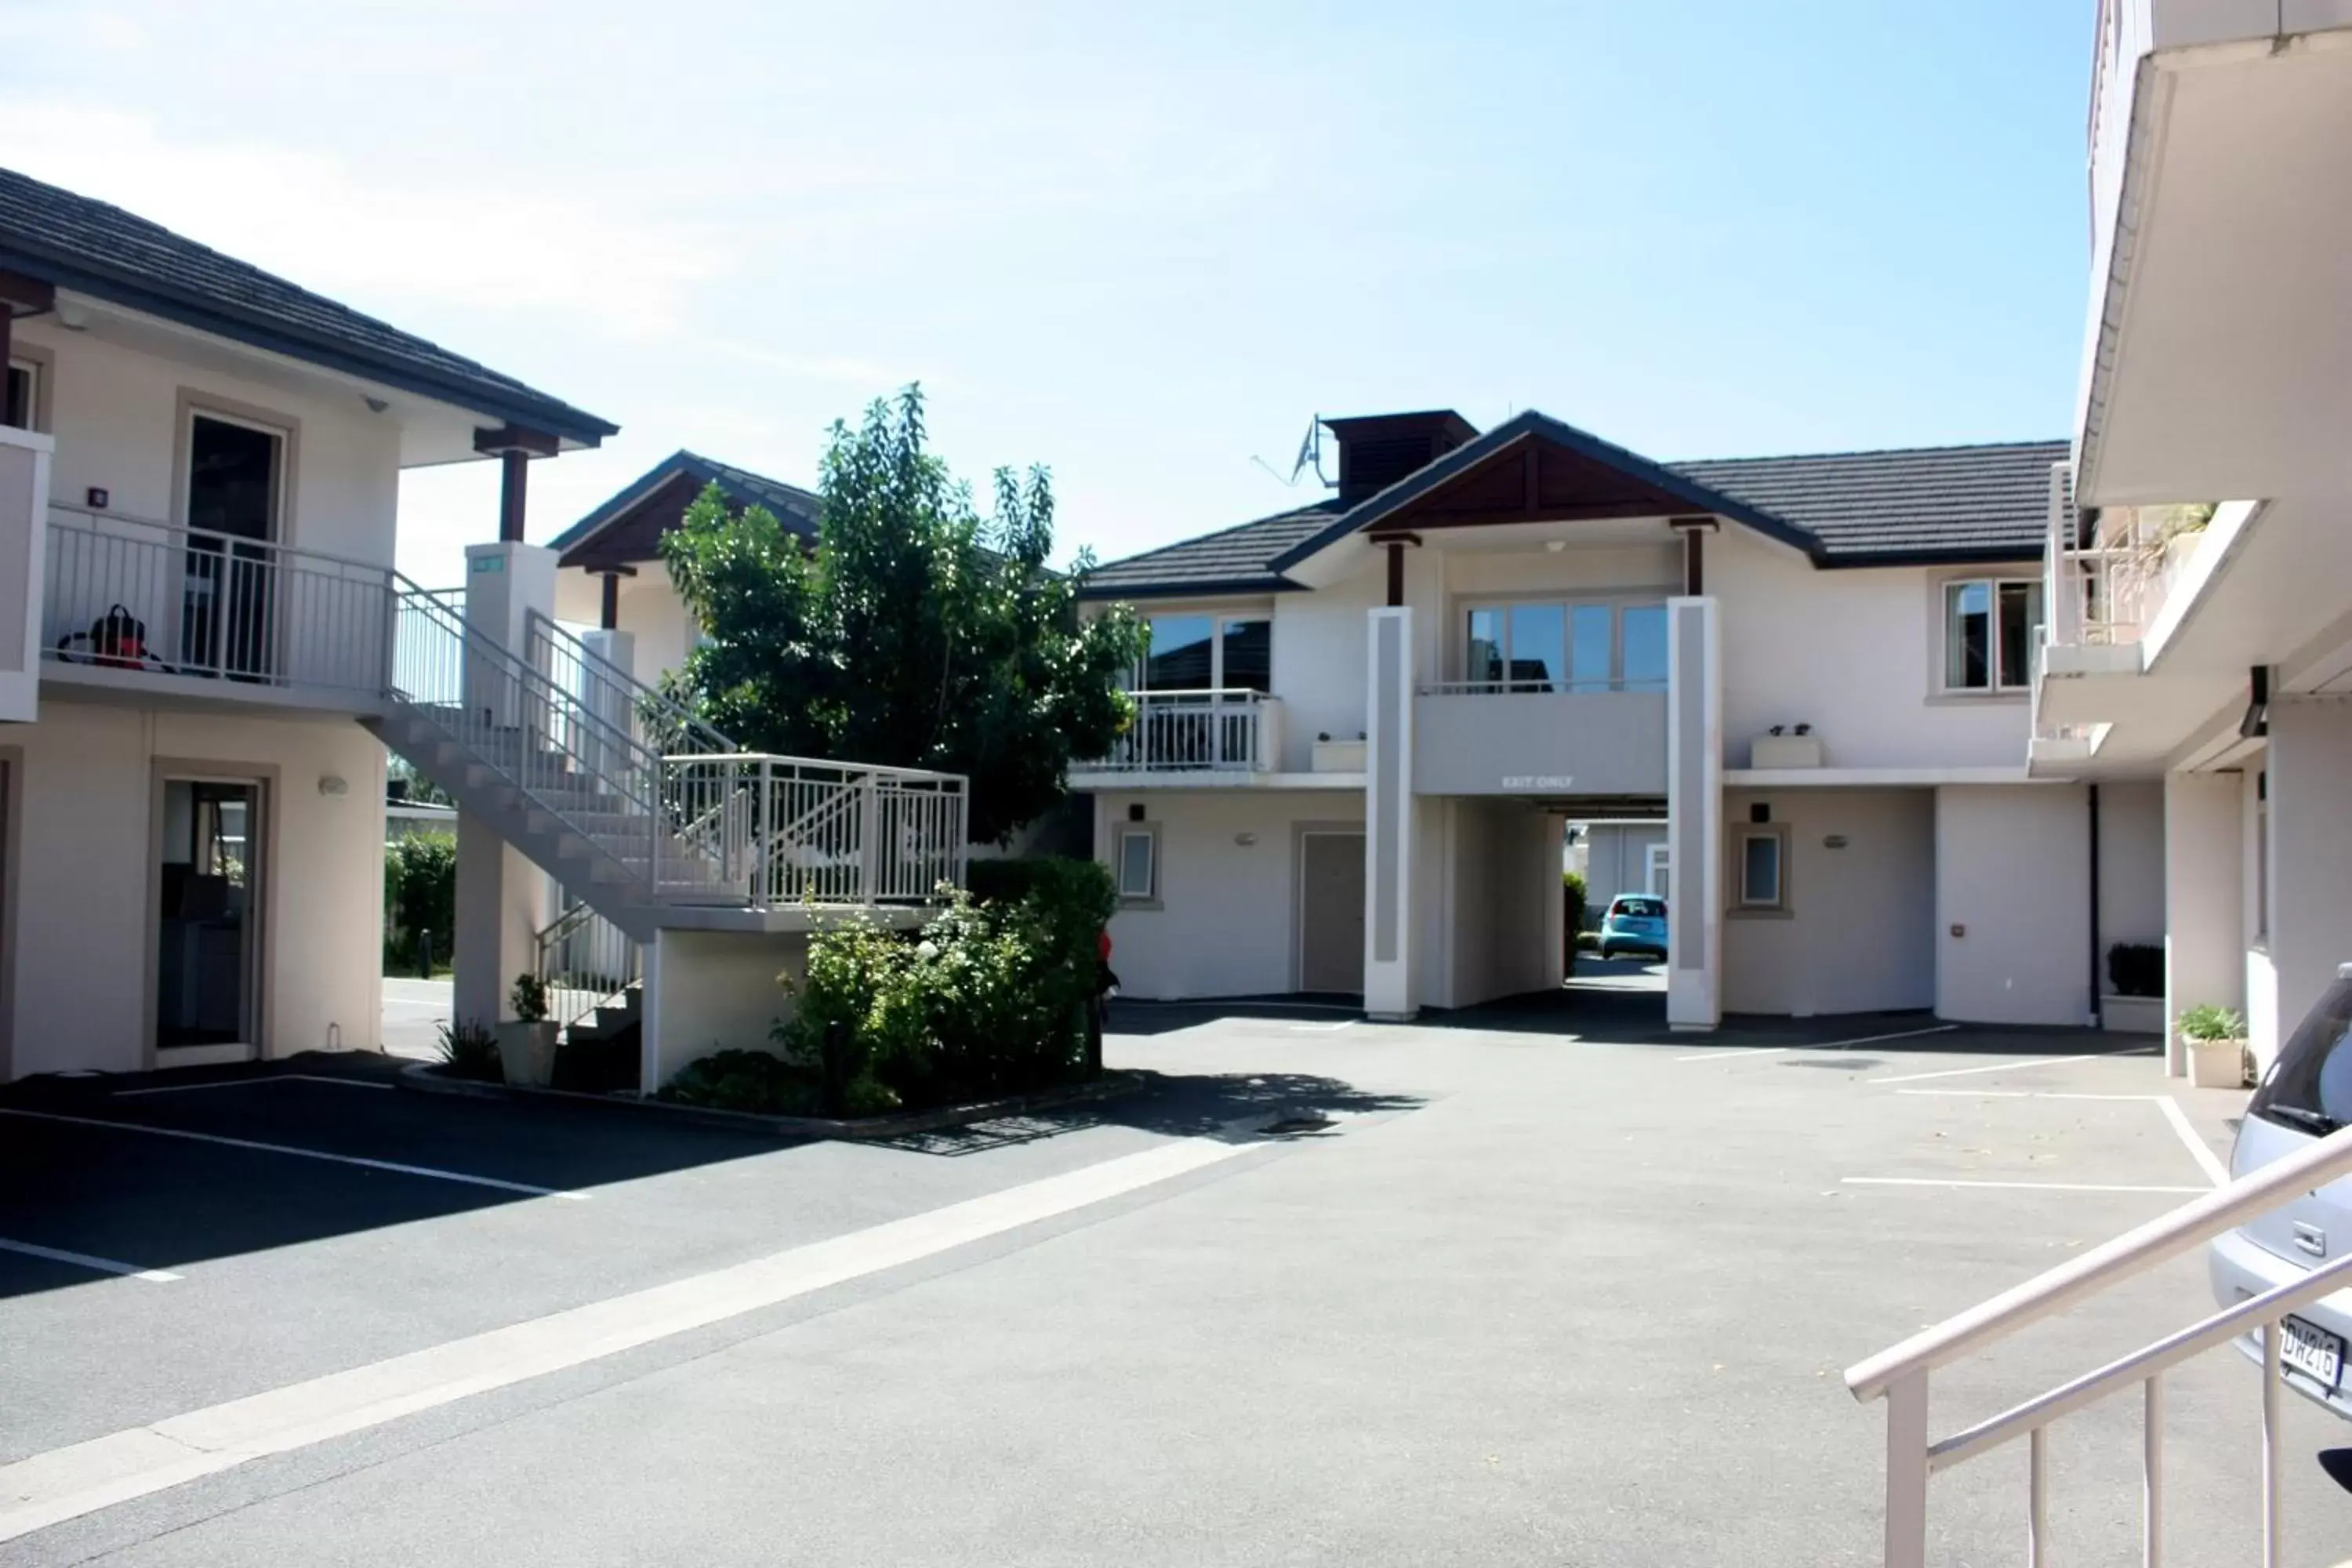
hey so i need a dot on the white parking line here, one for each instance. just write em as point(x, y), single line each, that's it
point(1828, 1045)
point(391, 1165)
point(1996, 1066)
point(65, 1483)
point(247, 1082)
point(2015, 1093)
point(1323, 1029)
point(2015, 1187)
point(84, 1260)
point(2207, 1161)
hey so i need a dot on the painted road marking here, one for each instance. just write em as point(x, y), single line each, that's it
point(391, 1165)
point(1323, 1029)
point(1831, 1045)
point(1996, 1066)
point(65, 1483)
point(246, 1082)
point(2199, 1150)
point(2014, 1186)
point(2207, 1161)
point(84, 1260)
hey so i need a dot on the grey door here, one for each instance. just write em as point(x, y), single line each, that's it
point(1332, 912)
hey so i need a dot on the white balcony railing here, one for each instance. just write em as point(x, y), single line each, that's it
point(1207, 731)
point(773, 832)
point(1900, 1374)
point(132, 594)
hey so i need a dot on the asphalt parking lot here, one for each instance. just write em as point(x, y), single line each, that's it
point(1539, 1283)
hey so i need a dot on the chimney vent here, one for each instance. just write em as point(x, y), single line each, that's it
point(1376, 450)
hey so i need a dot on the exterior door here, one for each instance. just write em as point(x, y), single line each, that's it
point(1332, 912)
point(235, 484)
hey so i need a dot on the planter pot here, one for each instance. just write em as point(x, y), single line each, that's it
point(1785, 751)
point(2217, 1064)
point(1339, 756)
point(527, 1054)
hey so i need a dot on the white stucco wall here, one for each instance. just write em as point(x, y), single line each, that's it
point(1496, 934)
point(1860, 936)
point(2311, 852)
point(2259, 862)
point(1856, 654)
point(2012, 868)
point(85, 888)
point(2131, 865)
point(115, 413)
point(1617, 861)
point(651, 612)
point(1226, 921)
point(711, 991)
point(2204, 869)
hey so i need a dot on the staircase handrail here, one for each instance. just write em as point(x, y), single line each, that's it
point(567, 1001)
point(1900, 1374)
point(671, 719)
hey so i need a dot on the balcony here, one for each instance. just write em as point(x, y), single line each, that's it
point(1595, 740)
point(1192, 737)
point(131, 602)
point(24, 500)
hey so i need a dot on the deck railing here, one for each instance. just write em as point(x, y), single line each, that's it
point(1222, 729)
point(135, 593)
point(773, 831)
point(1901, 1375)
point(585, 960)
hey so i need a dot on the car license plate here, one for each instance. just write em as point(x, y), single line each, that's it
point(2315, 1352)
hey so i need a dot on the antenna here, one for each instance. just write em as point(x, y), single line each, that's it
point(1310, 455)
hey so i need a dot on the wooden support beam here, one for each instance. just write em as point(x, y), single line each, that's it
point(609, 611)
point(26, 296)
point(516, 438)
point(513, 490)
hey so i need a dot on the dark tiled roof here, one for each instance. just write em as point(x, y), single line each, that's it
point(1923, 503)
point(94, 249)
point(627, 528)
point(1233, 561)
point(1919, 505)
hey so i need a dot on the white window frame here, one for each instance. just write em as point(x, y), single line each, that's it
point(1617, 605)
point(1218, 621)
point(1744, 901)
point(35, 372)
point(1657, 869)
point(1946, 593)
point(1149, 832)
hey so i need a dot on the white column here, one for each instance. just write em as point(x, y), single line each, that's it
point(2204, 943)
point(608, 699)
point(1694, 815)
point(1389, 817)
point(503, 900)
point(2310, 854)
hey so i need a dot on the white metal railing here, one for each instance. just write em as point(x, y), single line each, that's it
point(1538, 686)
point(774, 831)
point(1900, 1375)
point(1219, 730)
point(2109, 591)
point(130, 593)
point(584, 961)
point(660, 719)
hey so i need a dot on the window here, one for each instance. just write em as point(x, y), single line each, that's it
point(2310, 1090)
point(1566, 647)
point(1199, 653)
point(1991, 628)
point(1655, 873)
point(20, 398)
point(1763, 869)
point(1138, 864)
point(2262, 859)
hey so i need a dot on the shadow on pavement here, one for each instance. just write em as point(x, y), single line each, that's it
point(1144, 1019)
point(1237, 1107)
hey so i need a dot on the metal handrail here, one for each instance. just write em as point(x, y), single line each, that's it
point(613, 963)
point(1197, 729)
point(1901, 1374)
point(569, 656)
point(1557, 686)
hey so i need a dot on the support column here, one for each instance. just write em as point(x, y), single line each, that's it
point(505, 583)
point(1390, 989)
point(2310, 835)
point(2204, 941)
point(1694, 815)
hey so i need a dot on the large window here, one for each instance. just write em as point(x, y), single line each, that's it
point(1763, 868)
point(1990, 628)
point(1138, 863)
point(1197, 653)
point(1566, 647)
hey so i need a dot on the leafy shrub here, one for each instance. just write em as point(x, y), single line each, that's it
point(2211, 1023)
point(856, 1016)
point(2136, 969)
point(420, 893)
point(469, 1049)
point(1572, 886)
point(528, 999)
point(744, 1080)
point(1588, 942)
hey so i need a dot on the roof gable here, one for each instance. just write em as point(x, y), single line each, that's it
point(626, 529)
point(95, 249)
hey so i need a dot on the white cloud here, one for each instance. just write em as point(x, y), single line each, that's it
point(611, 266)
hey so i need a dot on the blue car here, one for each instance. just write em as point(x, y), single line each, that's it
point(1636, 922)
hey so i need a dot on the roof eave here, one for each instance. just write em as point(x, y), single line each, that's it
point(561, 419)
point(1208, 589)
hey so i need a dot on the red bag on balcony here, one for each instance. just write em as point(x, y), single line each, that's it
point(119, 639)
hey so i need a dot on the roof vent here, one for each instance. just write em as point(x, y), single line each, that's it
point(1376, 450)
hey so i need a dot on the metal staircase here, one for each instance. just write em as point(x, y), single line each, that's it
point(639, 810)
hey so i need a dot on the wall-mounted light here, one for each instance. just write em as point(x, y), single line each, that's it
point(73, 318)
point(1834, 841)
point(375, 404)
point(1244, 839)
point(333, 785)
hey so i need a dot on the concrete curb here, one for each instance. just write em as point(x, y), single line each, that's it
point(423, 1079)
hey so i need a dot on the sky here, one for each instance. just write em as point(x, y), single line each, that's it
point(1141, 243)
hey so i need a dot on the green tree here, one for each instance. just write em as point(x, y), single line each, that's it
point(917, 633)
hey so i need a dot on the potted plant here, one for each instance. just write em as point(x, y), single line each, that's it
point(527, 1045)
point(2217, 1046)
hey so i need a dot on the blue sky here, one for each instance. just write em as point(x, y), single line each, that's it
point(1141, 244)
